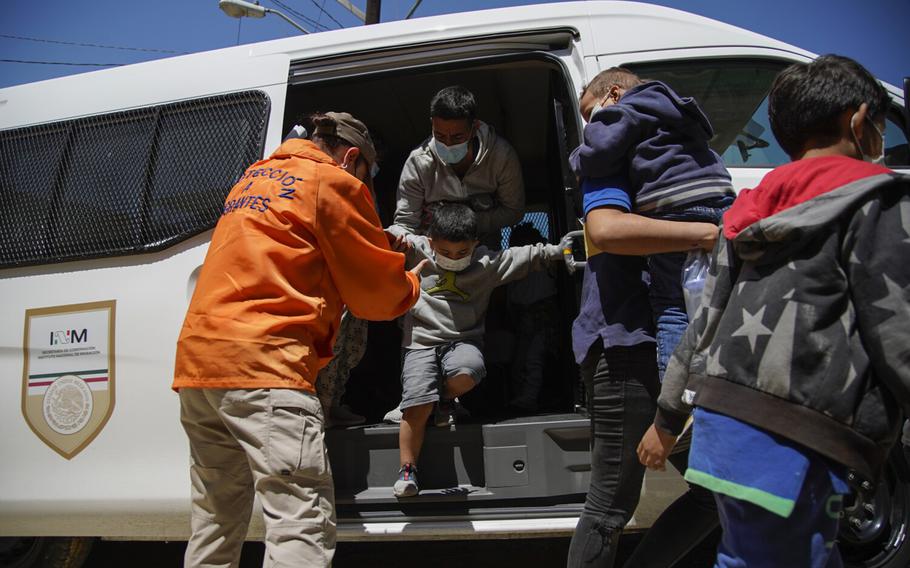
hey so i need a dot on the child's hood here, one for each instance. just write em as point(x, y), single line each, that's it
point(792, 202)
point(657, 100)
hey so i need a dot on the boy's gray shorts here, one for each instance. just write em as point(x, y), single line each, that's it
point(423, 370)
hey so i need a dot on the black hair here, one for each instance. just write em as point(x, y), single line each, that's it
point(453, 222)
point(453, 103)
point(807, 98)
point(620, 76)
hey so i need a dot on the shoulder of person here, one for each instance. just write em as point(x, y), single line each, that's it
point(421, 153)
point(420, 159)
point(485, 256)
point(500, 147)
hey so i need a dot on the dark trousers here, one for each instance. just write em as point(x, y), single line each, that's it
point(622, 387)
point(681, 526)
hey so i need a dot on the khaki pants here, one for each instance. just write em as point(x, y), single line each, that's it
point(267, 442)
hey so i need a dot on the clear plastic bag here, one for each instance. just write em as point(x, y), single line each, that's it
point(694, 274)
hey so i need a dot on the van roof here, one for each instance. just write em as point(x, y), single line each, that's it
point(637, 26)
point(601, 28)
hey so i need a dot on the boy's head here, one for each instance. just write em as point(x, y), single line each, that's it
point(606, 89)
point(832, 103)
point(453, 235)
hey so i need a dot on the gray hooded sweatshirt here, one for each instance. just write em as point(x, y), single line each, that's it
point(452, 305)
point(492, 186)
point(804, 326)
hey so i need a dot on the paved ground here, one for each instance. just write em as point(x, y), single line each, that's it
point(529, 553)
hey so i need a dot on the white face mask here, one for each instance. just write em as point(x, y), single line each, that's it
point(450, 154)
point(447, 263)
point(880, 160)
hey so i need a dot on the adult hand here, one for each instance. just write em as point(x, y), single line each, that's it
point(654, 448)
point(707, 241)
point(416, 270)
point(566, 243)
point(398, 243)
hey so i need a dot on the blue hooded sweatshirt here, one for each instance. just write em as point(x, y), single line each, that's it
point(649, 153)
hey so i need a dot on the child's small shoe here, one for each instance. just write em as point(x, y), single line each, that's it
point(406, 486)
point(393, 416)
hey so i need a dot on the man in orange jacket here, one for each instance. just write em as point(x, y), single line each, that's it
point(298, 239)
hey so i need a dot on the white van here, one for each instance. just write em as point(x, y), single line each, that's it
point(110, 184)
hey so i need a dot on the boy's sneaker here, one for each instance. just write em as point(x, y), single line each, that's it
point(406, 486)
point(393, 416)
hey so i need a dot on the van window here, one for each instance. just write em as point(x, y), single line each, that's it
point(897, 150)
point(733, 93)
point(125, 182)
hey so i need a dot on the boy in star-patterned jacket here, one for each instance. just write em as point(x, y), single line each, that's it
point(798, 361)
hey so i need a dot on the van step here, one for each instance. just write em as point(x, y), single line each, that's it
point(519, 458)
point(384, 495)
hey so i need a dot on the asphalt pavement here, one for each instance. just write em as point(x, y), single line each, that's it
point(527, 553)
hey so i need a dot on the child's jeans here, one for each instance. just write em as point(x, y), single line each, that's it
point(754, 537)
point(666, 294)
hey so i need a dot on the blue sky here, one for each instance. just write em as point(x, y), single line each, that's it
point(867, 31)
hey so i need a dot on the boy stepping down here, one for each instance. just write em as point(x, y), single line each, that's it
point(443, 332)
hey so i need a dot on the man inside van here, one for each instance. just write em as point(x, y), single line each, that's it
point(296, 239)
point(463, 161)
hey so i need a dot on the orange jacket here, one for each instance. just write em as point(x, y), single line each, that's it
point(298, 239)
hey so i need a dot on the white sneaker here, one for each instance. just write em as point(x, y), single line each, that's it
point(393, 416)
point(342, 415)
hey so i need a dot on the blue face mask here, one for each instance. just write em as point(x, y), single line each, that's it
point(450, 154)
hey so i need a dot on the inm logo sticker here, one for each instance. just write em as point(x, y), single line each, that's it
point(67, 336)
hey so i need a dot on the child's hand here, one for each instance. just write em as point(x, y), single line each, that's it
point(654, 448)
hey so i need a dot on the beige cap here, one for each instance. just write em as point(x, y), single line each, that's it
point(349, 129)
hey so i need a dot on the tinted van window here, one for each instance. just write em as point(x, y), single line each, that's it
point(733, 93)
point(124, 182)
